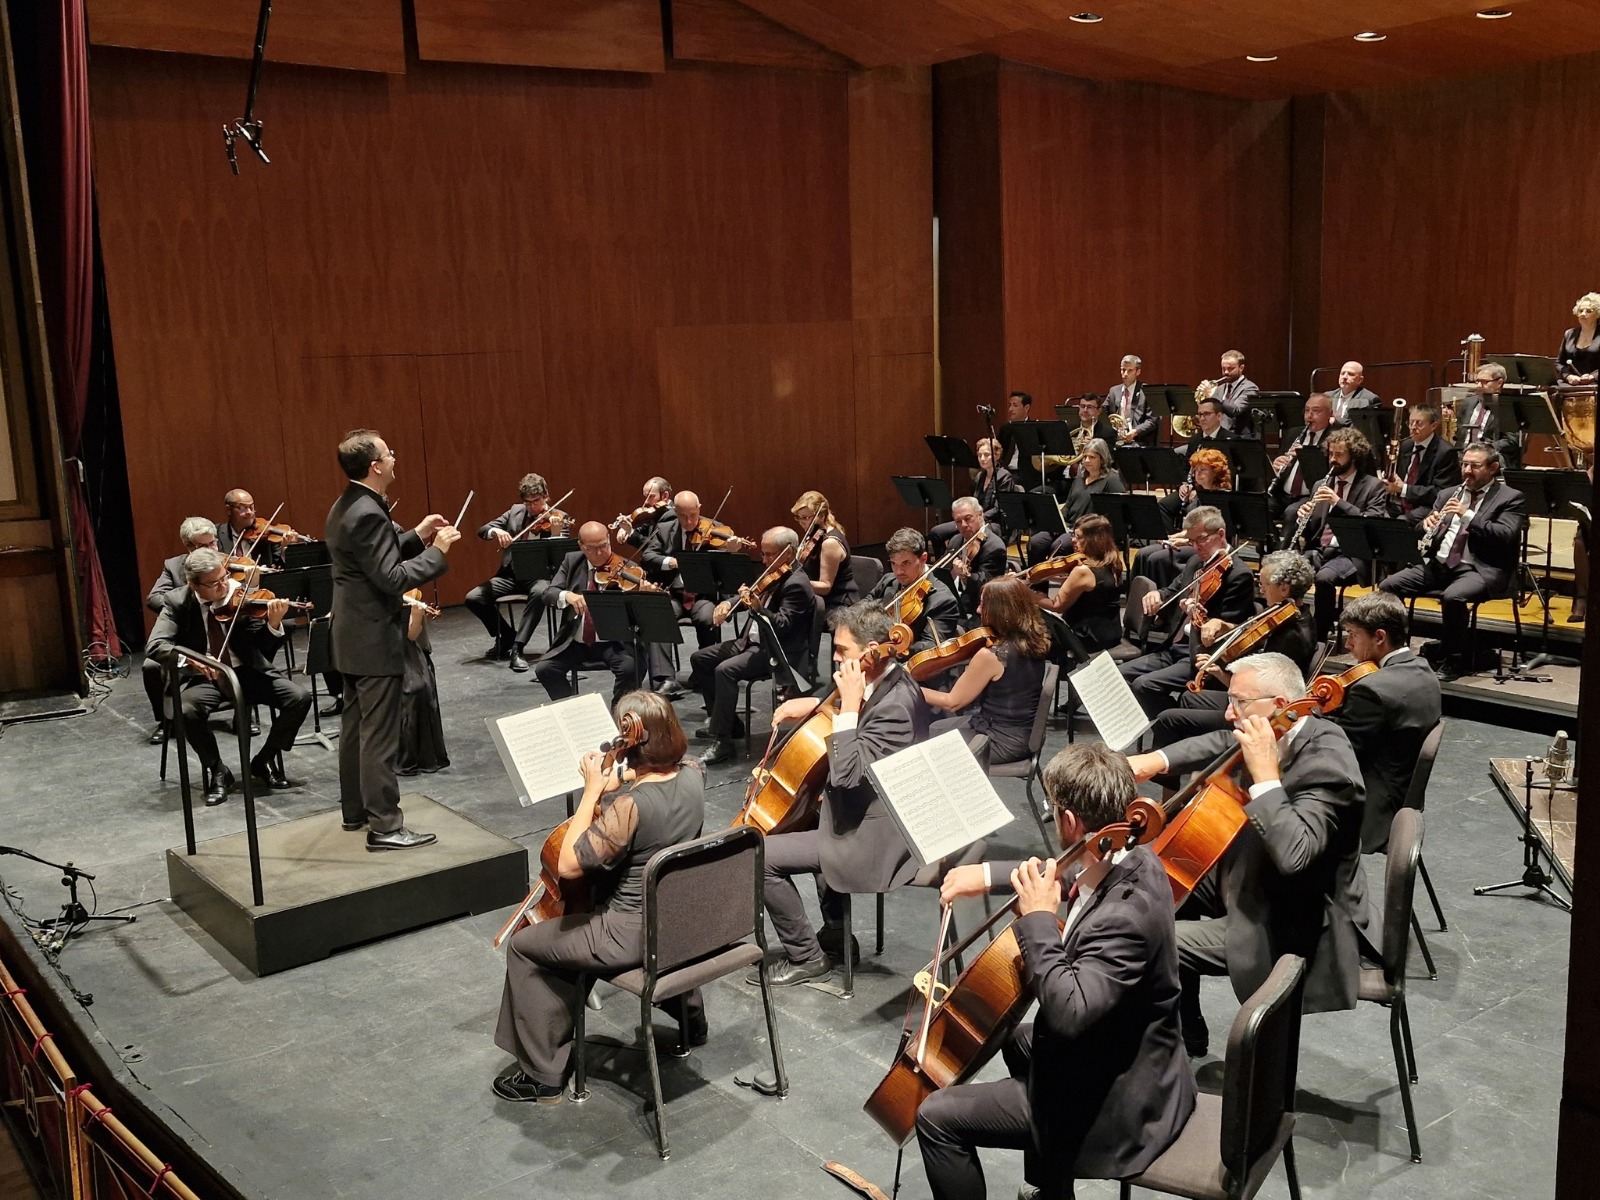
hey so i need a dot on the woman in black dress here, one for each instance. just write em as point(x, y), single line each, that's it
point(1089, 598)
point(998, 691)
point(1578, 360)
point(421, 730)
point(829, 568)
point(1095, 475)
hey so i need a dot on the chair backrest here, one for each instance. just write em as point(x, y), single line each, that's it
point(866, 571)
point(819, 626)
point(1047, 695)
point(1259, 1072)
point(701, 896)
point(1417, 793)
point(1399, 889)
point(1135, 625)
point(1066, 647)
point(319, 646)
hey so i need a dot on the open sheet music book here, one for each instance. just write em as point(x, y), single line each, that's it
point(541, 747)
point(1110, 702)
point(939, 796)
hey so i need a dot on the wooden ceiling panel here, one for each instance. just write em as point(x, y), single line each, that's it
point(600, 35)
point(727, 31)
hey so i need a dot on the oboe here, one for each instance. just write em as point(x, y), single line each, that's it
point(1298, 541)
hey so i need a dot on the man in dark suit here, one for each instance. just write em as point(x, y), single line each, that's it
point(1154, 677)
point(1352, 489)
point(1350, 394)
point(532, 504)
point(196, 533)
point(1471, 553)
point(908, 560)
point(1289, 480)
point(1019, 407)
point(576, 646)
point(1478, 421)
point(1235, 394)
point(1097, 1085)
point(1389, 713)
point(1127, 400)
point(374, 565)
point(236, 533)
point(248, 643)
point(717, 670)
point(1291, 882)
point(1209, 421)
point(983, 560)
point(657, 503)
point(856, 846)
point(1425, 466)
point(673, 534)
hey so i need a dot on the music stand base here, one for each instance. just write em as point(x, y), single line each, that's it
point(1535, 879)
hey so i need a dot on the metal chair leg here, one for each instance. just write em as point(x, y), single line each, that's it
point(772, 1037)
point(878, 941)
point(1033, 807)
point(1422, 944)
point(1433, 896)
point(1289, 1169)
point(1396, 1017)
point(849, 958)
point(580, 1076)
point(645, 1027)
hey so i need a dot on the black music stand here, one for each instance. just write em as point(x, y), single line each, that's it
point(537, 559)
point(1160, 466)
point(304, 554)
point(1036, 512)
point(1248, 459)
point(1383, 541)
point(716, 573)
point(1548, 493)
point(1369, 421)
point(1168, 400)
point(640, 619)
point(1532, 414)
point(952, 452)
point(927, 492)
point(1036, 439)
point(319, 661)
point(1288, 413)
point(1247, 515)
point(1533, 370)
point(1134, 516)
point(1313, 462)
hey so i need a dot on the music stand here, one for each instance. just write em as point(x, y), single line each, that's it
point(319, 661)
point(1168, 400)
point(1288, 411)
point(1383, 541)
point(1248, 459)
point(537, 559)
point(926, 492)
point(1036, 439)
point(1534, 370)
point(638, 618)
point(1134, 516)
point(304, 554)
point(718, 573)
point(1313, 462)
point(1547, 493)
point(951, 452)
point(1247, 515)
point(1162, 468)
point(1533, 414)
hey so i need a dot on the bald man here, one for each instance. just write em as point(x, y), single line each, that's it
point(575, 646)
point(1351, 393)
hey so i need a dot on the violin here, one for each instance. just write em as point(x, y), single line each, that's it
point(645, 514)
point(907, 604)
point(239, 565)
point(625, 576)
point(1052, 569)
point(554, 897)
point(754, 595)
point(816, 533)
point(1206, 583)
point(265, 531)
point(549, 518)
point(1242, 639)
point(786, 786)
point(241, 597)
point(709, 534)
point(948, 655)
point(413, 599)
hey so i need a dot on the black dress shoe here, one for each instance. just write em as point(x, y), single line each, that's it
point(672, 690)
point(516, 1086)
point(219, 782)
point(720, 752)
point(270, 772)
point(517, 663)
point(1196, 1037)
point(334, 709)
point(352, 826)
point(159, 737)
point(399, 839)
point(699, 1032)
point(831, 939)
point(787, 973)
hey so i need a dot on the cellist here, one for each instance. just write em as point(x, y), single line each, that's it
point(1098, 1087)
point(1291, 882)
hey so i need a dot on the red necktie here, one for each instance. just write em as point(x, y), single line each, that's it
point(1458, 547)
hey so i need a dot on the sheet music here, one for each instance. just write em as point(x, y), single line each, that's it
point(1109, 701)
point(540, 747)
point(939, 796)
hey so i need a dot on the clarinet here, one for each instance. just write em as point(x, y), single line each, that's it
point(1298, 541)
point(1425, 544)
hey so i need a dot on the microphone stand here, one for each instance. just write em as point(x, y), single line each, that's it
point(248, 127)
point(1534, 875)
point(73, 915)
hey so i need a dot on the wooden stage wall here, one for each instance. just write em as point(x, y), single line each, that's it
point(723, 274)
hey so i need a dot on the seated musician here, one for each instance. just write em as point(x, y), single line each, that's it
point(1351, 393)
point(1093, 416)
point(1209, 471)
point(1140, 426)
point(907, 562)
point(717, 670)
point(1235, 395)
point(983, 559)
point(1425, 466)
point(188, 621)
point(1019, 407)
point(997, 693)
point(1284, 576)
point(533, 501)
point(1289, 483)
point(620, 823)
point(1154, 677)
point(1291, 882)
point(576, 646)
point(196, 533)
point(1096, 1086)
point(1389, 713)
point(674, 533)
point(657, 495)
point(1472, 547)
point(1478, 421)
point(422, 747)
point(1089, 598)
point(1096, 476)
point(856, 846)
point(237, 533)
point(988, 482)
point(829, 565)
point(1352, 489)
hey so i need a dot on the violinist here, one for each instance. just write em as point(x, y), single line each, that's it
point(196, 533)
point(1095, 477)
point(716, 671)
point(829, 565)
point(635, 528)
point(997, 693)
point(984, 559)
point(240, 534)
point(1352, 489)
point(1089, 597)
point(908, 560)
point(1154, 677)
point(575, 646)
point(856, 847)
point(422, 745)
point(533, 506)
point(655, 801)
point(189, 621)
point(1096, 1085)
point(1291, 882)
point(987, 485)
point(674, 533)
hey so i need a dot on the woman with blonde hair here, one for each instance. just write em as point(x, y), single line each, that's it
point(1578, 360)
point(829, 567)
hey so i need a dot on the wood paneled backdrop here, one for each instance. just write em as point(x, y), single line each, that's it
point(722, 274)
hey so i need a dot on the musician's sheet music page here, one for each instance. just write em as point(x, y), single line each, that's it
point(1109, 702)
point(939, 796)
point(541, 747)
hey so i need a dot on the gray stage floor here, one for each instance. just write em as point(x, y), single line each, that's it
point(367, 1075)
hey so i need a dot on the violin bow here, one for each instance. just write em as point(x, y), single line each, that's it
point(1193, 584)
point(251, 553)
point(725, 496)
point(544, 516)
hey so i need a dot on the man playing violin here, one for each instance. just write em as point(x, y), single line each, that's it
point(196, 533)
point(984, 559)
point(1291, 882)
point(939, 612)
point(1097, 1086)
point(241, 532)
point(636, 527)
point(189, 621)
point(532, 506)
point(856, 846)
point(575, 646)
point(674, 533)
point(716, 671)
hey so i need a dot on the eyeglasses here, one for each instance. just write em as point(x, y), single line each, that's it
point(1241, 701)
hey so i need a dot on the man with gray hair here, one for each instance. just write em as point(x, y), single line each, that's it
point(196, 533)
point(1127, 400)
point(984, 559)
point(1291, 882)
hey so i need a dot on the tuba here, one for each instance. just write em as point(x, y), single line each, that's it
point(1184, 426)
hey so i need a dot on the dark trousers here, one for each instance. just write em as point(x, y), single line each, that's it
point(954, 1121)
point(369, 749)
point(481, 601)
point(1202, 949)
point(1155, 676)
point(554, 671)
point(539, 1005)
point(1047, 544)
point(1334, 572)
point(202, 697)
point(155, 688)
point(1196, 713)
point(716, 673)
point(1456, 587)
point(706, 632)
point(788, 855)
point(1161, 563)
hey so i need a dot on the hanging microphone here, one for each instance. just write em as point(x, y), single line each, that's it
point(986, 410)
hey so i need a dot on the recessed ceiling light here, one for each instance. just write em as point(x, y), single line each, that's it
point(1494, 14)
point(1369, 36)
point(1087, 18)
point(1261, 58)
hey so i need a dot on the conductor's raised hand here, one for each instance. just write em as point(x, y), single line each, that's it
point(1036, 887)
point(431, 524)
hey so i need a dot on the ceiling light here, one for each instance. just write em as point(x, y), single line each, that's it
point(1087, 18)
point(1494, 14)
point(1369, 36)
point(1261, 58)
